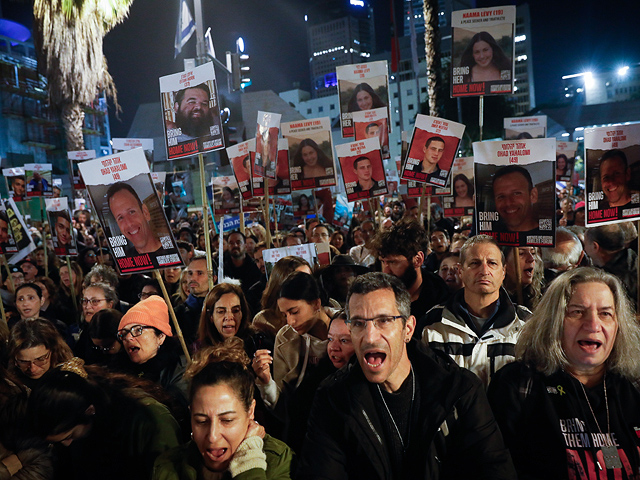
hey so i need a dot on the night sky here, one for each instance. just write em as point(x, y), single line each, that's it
point(568, 37)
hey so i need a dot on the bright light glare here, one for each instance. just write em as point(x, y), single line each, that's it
point(589, 82)
point(240, 44)
point(565, 134)
point(623, 71)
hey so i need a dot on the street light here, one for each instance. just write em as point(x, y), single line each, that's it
point(623, 70)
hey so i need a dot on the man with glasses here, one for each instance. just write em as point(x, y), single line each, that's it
point(150, 287)
point(401, 410)
point(479, 325)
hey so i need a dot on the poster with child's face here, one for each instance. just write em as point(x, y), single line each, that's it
point(612, 174)
point(267, 132)
point(62, 233)
point(16, 184)
point(132, 217)
point(373, 124)
point(240, 161)
point(462, 201)
point(515, 191)
point(433, 147)
point(362, 169)
point(39, 179)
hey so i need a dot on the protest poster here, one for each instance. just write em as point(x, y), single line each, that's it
point(363, 86)
point(257, 181)
point(267, 132)
point(240, 161)
point(191, 112)
point(310, 153)
point(462, 201)
point(373, 123)
point(21, 235)
point(281, 185)
point(434, 144)
point(612, 173)
point(362, 169)
point(303, 203)
point(159, 180)
point(226, 195)
point(122, 144)
point(523, 128)
point(515, 191)
point(272, 255)
point(57, 187)
point(75, 158)
point(7, 242)
point(62, 234)
point(343, 212)
point(565, 160)
point(16, 184)
point(39, 179)
point(482, 59)
point(128, 207)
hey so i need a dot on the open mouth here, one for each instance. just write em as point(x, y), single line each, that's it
point(229, 328)
point(528, 272)
point(215, 454)
point(375, 359)
point(133, 350)
point(590, 345)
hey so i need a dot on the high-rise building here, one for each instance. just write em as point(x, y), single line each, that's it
point(340, 32)
point(606, 85)
point(524, 98)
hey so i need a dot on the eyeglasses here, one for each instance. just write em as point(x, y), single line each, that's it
point(38, 362)
point(93, 301)
point(145, 295)
point(134, 331)
point(382, 323)
point(99, 348)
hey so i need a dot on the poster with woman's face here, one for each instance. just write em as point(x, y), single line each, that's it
point(240, 161)
point(361, 87)
point(16, 183)
point(373, 124)
point(267, 131)
point(483, 51)
point(613, 174)
point(311, 162)
point(303, 204)
point(362, 169)
point(226, 195)
point(522, 128)
point(565, 160)
point(433, 147)
point(462, 200)
point(59, 215)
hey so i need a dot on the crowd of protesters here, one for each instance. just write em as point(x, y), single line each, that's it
point(421, 351)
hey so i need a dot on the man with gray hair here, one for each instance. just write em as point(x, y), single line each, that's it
point(566, 255)
point(401, 410)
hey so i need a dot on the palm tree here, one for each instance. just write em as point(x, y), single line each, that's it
point(68, 37)
point(432, 51)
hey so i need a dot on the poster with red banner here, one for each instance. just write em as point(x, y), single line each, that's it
point(75, 158)
point(565, 160)
point(240, 161)
point(267, 132)
point(62, 235)
point(462, 201)
point(362, 169)
point(281, 185)
point(373, 123)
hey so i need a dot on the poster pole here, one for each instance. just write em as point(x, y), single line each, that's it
point(481, 119)
point(428, 217)
point(165, 294)
point(205, 221)
point(267, 218)
point(43, 212)
point(373, 211)
point(421, 204)
point(101, 257)
point(6, 265)
point(4, 315)
point(516, 259)
point(275, 218)
point(242, 227)
point(72, 286)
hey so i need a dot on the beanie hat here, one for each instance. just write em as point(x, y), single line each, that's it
point(151, 312)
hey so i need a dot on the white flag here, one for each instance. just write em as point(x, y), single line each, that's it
point(186, 27)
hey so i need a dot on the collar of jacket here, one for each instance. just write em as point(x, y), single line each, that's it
point(504, 316)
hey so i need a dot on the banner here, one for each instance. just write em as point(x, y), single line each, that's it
point(226, 195)
point(310, 153)
point(303, 204)
point(362, 169)
point(16, 184)
point(373, 124)
point(62, 233)
point(463, 200)
point(482, 60)
point(523, 128)
point(612, 174)
point(363, 86)
point(267, 132)
point(39, 179)
point(191, 112)
point(240, 161)
point(515, 191)
point(122, 144)
point(125, 199)
point(434, 144)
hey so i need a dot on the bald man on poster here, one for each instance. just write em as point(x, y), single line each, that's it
point(515, 197)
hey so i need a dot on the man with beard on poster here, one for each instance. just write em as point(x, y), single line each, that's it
point(400, 251)
point(194, 116)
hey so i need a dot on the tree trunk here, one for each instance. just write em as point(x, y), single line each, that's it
point(73, 121)
point(432, 51)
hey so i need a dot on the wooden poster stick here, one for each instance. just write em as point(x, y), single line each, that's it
point(205, 220)
point(165, 294)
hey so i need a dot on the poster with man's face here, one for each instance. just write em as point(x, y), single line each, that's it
point(7, 242)
point(462, 199)
point(267, 131)
point(59, 215)
point(373, 124)
point(191, 112)
point(75, 158)
point(257, 181)
point(565, 160)
point(240, 161)
point(612, 174)
point(363, 86)
point(515, 191)
point(123, 144)
point(362, 169)
point(482, 59)
point(21, 235)
point(310, 153)
point(281, 185)
point(39, 179)
point(125, 199)
point(16, 183)
point(523, 128)
point(226, 195)
point(433, 147)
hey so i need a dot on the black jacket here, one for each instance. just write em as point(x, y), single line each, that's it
point(456, 435)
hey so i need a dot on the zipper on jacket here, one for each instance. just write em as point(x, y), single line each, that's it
point(371, 426)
